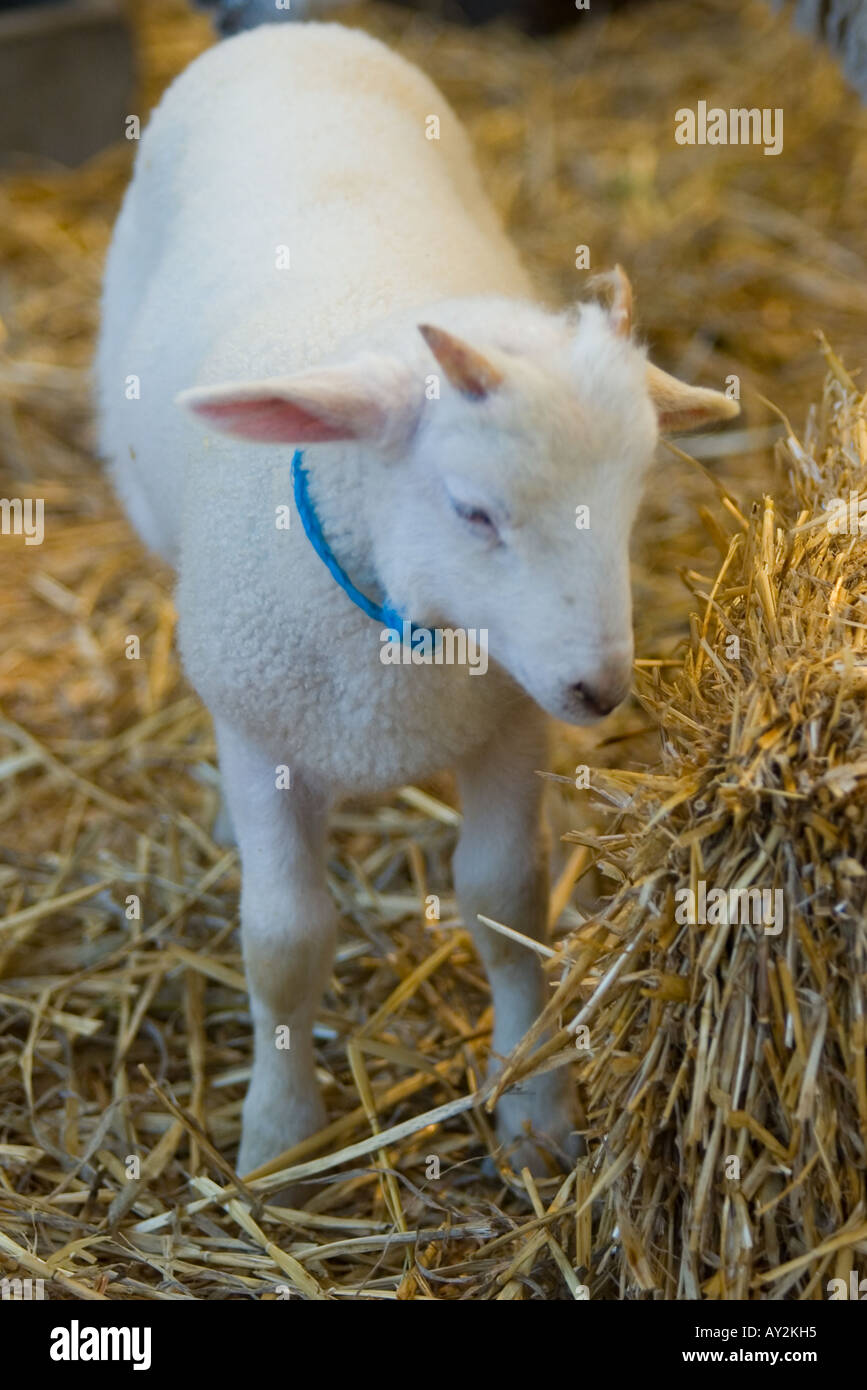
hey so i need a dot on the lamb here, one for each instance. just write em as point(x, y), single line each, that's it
point(330, 297)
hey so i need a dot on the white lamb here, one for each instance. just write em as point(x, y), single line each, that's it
point(291, 229)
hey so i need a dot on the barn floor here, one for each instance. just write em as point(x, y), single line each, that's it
point(125, 1038)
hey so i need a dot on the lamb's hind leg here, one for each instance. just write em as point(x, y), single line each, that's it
point(288, 925)
point(501, 870)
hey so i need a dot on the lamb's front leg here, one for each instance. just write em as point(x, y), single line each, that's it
point(501, 870)
point(288, 926)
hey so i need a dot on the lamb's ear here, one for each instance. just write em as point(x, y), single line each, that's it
point(468, 370)
point(680, 407)
point(370, 398)
point(617, 292)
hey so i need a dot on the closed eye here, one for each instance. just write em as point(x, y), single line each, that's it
point(477, 517)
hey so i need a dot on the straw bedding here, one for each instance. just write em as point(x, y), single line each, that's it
point(126, 1037)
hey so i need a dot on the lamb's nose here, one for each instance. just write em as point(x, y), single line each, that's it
point(602, 697)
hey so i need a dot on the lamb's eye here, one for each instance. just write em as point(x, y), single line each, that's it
point(476, 517)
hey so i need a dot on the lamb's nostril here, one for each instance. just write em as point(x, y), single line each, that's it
point(601, 702)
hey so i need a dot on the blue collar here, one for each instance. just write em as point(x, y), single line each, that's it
point(380, 612)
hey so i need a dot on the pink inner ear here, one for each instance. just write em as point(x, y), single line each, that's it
point(271, 420)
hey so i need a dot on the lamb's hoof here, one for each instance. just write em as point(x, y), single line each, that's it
point(292, 1195)
point(545, 1158)
point(264, 1137)
point(544, 1161)
point(535, 1128)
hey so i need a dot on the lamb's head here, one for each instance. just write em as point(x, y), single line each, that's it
point(507, 451)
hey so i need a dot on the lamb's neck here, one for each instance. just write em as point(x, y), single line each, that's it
point(337, 482)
